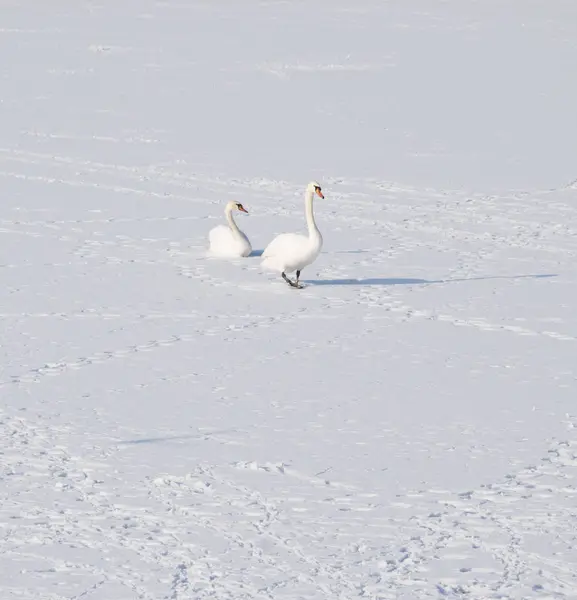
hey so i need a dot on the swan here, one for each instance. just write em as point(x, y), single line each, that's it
point(228, 240)
point(290, 252)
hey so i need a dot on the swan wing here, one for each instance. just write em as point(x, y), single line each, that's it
point(220, 237)
point(223, 242)
point(286, 252)
point(286, 243)
point(244, 244)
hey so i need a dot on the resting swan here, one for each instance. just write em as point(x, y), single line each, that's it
point(293, 252)
point(228, 240)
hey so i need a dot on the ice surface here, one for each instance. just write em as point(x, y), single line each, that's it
point(175, 426)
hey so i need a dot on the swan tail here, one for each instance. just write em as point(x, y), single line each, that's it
point(270, 264)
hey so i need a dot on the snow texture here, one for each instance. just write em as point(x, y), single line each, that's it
point(174, 426)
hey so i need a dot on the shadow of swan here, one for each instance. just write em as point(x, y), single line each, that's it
point(372, 281)
point(409, 281)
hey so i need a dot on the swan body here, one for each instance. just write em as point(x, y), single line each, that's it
point(228, 241)
point(290, 252)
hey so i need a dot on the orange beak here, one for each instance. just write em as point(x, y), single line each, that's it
point(243, 209)
point(319, 193)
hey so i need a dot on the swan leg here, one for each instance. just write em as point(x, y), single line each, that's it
point(297, 280)
point(291, 283)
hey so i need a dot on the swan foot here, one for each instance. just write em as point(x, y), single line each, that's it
point(298, 284)
point(294, 284)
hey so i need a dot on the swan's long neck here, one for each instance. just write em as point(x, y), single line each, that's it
point(311, 223)
point(231, 222)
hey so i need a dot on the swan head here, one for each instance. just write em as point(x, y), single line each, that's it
point(236, 206)
point(315, 188)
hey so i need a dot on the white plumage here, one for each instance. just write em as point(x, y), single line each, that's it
point(290, 252)
point(228, 241)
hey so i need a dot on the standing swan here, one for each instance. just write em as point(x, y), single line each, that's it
point(228, 240)
point(290, 252)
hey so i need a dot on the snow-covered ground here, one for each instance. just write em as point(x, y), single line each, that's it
point(179, 427)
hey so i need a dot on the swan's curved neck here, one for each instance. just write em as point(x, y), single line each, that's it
point(311, 223)
point(231, 222)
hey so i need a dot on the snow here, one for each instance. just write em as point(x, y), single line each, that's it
point(182, 427)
